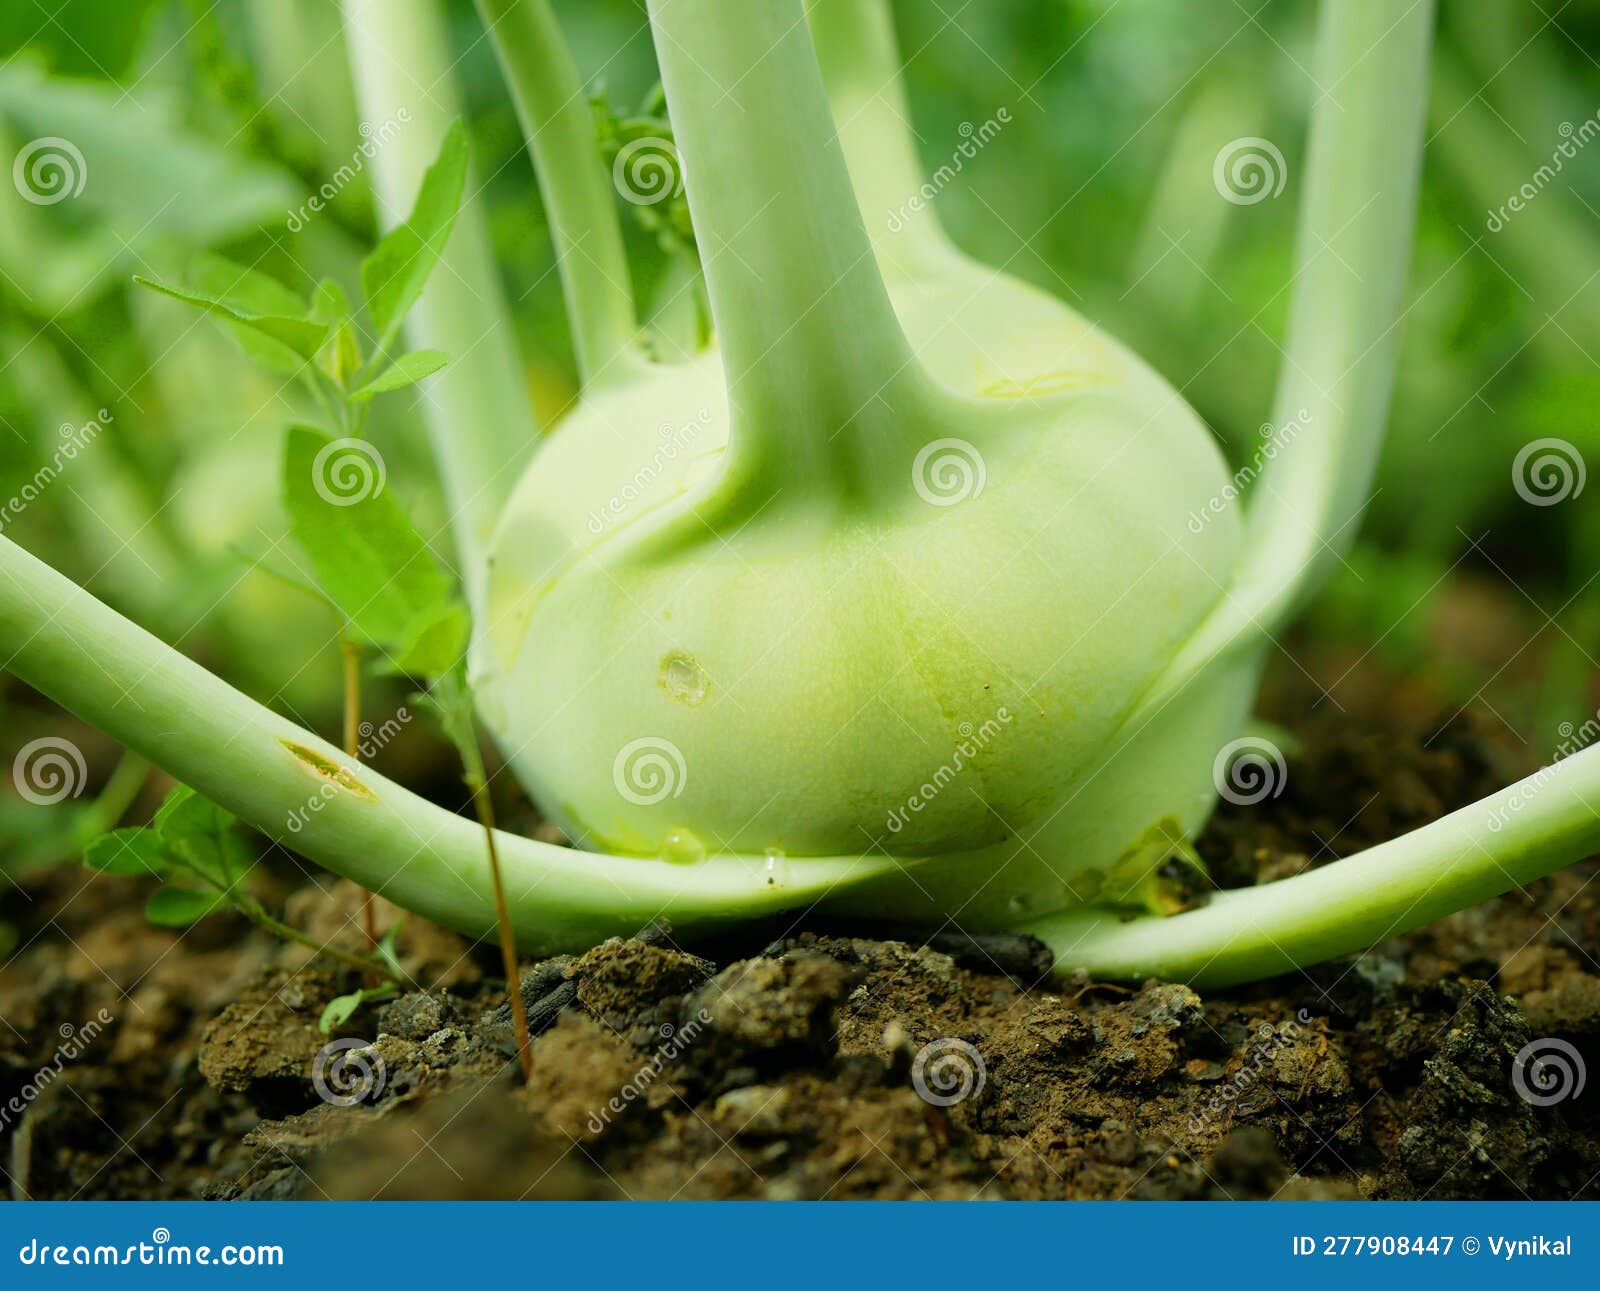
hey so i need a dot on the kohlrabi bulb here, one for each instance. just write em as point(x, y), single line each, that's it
point(888, 573)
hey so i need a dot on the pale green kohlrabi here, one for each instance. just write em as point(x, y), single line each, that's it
point(915, 596)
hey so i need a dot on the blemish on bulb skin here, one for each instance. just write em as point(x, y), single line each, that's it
point(683, 847)
point(776, 868)
point(682, 678)
point(328, 771)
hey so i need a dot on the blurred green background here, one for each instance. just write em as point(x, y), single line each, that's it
point(206, 124)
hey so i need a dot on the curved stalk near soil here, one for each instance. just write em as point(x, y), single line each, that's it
point(804, 307)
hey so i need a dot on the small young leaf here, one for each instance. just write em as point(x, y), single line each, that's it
point(368, 556)
point(405, 371)
point(130, 853)
point(342, 1008)
point(179, 907)
point(244, 288)
point(203, 838)
point(394, 274)
point(341, 356)
point(434, 642)
point(301, 336)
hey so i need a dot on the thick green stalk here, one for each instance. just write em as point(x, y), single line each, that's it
point(1535, 827)
point(860, 63)
point(306, 793)
point(824, 389)
point(1357, 216)
point(559, 128)
point(477, 410)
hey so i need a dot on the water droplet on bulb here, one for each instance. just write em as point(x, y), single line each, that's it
point(682, 677)
point(776, 869)
point(683, 847)
point(1017, 904)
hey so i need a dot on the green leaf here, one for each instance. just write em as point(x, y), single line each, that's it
point(405, 371)
point(394, 274)
point(435, 642)
point(130, 853)
point(341, 356)
point(251, 292)
point(179, 907)
point(368, 556)
point(301, 336)
point(203, 838)
point(342, 1008)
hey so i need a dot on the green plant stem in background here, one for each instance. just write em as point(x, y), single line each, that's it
point(477, 412)
point(860, 64)
point(558, 124)
point(1357, 216)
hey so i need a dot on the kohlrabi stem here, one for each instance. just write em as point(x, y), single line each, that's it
point(478, 414)
point(820, 376)
point(558, 125)
point(1533, 828)
point(350, 659)
point(861, 69)
point(303, 791)
point(1357, 214)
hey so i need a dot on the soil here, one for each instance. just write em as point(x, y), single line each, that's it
point(811, 1060)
